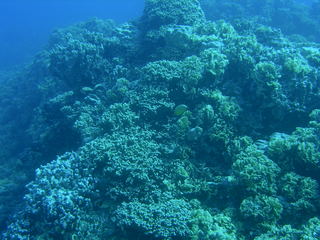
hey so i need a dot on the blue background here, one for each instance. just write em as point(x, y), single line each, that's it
point(25, 26)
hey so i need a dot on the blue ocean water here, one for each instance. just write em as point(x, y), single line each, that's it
point(25, 26)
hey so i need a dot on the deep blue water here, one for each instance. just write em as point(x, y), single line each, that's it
point(26, 25)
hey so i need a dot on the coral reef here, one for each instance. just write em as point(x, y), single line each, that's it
point(168, 127)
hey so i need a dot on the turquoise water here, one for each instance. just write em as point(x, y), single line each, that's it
point(25, 27)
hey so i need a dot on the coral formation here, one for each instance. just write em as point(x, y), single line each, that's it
point(168, 127)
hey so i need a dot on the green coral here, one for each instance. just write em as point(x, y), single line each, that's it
point(300, 195)
point(167, 220)
point(207, 226)
point(162, 72)
point(261, 209)
point(256, 171)
point(281, 148)
point(297, 150)
point(311, 230)
point(291, 17)
point(215, 63)
point(285, 232)
point(296, 66)
point(164, 12)
point(266, 76)
point(79, 63)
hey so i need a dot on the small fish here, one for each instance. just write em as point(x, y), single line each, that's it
point(180, 109)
